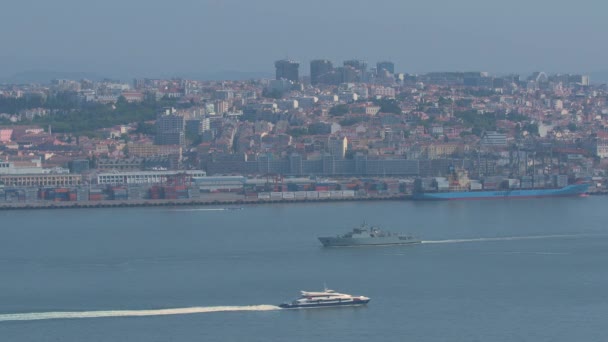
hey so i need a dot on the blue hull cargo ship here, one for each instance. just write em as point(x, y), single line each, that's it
point(567, 191)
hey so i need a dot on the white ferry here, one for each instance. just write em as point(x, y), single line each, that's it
point(325, 298)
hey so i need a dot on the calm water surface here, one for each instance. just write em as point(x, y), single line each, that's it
point(475, 278)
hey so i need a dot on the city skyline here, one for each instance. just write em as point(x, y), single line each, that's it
point(163, 39)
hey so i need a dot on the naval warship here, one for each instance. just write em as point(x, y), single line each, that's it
point(368, 236)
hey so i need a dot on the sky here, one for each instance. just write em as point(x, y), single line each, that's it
point(151, 38)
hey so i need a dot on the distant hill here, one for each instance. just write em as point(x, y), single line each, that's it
point(229, 75)
point(43, 76)
point(598, 77)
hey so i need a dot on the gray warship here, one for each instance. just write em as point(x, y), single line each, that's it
point(368, 236)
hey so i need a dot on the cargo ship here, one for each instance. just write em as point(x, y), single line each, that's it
point(572, 190)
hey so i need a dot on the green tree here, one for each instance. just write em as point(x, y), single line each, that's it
point(339, 110)
point(388, 106)
point(272, 93)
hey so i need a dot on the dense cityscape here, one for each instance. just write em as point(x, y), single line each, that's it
point(354, 130)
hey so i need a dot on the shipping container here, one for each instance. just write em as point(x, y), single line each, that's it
point(312, 194)
point(348, 193)
point(476, 186)
point(335, 194)
point(95, 197)
point(251, 194)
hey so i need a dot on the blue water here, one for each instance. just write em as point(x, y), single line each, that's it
point(519, 270)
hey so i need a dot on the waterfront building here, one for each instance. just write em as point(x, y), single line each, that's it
point(148, 150)
point(493, 139)
point(21, 167)
point(41, 180)
point(220, 183)
point(145, 177)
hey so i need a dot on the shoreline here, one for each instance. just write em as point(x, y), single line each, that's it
point(186, 202)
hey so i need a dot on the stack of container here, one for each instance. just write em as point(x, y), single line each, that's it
point(11, 195)
point(427, 184)
point(514, 183)
point(170, 192)
point(31, 194)
point(61, 195)
point(248, 194)
point(96, 194)
point(348, 193)
point(475, 185)
point(492, 182)
point(156, 192)
point(560, 181)
point(326, 186)
point(82, 194)
point(392, 186)
point(135, 192)
point(181, 192)
point(526, 182)
point(195, 192)
point(542, 181)
point(442, 184)
point(118, 193)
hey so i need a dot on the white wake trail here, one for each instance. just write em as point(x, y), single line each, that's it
point(201, 209)
point(34, 316)
point(511, 238)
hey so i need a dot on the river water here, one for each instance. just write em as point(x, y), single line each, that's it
point(514, 270)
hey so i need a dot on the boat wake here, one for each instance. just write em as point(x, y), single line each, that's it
point(512, 238)
point(204, 209)
point(35, 316)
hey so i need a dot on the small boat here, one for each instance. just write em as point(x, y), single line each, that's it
point(325, 298)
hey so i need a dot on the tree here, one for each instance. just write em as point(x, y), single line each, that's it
point(532, 128)
point(388, 106)
point(272, 93)
point(297, 131)
point(339, 110)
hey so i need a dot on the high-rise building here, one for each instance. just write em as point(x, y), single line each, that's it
point(337, 147)
point(360, 65)
point(347, 74)
point(221, 107)
point(385, 65)
point(318, 68)
point(170, 130)
point(287, 69)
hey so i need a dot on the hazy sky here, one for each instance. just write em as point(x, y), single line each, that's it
point(124, 38)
